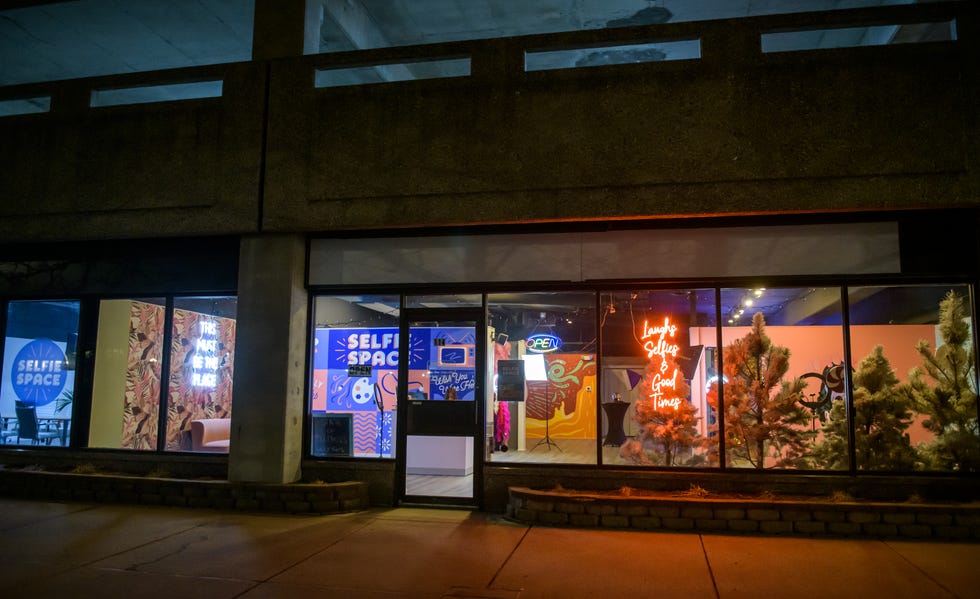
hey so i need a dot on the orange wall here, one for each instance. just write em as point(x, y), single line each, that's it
point(814, 347)
point(899, 342)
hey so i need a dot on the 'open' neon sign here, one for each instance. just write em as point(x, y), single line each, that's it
point(543, 343)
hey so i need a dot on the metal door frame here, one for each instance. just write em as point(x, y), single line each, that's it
point(413, 315)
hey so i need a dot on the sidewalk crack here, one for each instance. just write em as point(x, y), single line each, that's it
point(707, 562)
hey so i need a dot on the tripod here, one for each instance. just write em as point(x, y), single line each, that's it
point(547, 413)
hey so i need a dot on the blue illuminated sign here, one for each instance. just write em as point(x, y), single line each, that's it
point(37, 375)
point(543, 343)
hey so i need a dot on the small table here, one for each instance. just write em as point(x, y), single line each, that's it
point(615, 412)
point(4, 421)
point(60, 424)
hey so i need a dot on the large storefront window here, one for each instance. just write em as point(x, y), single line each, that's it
point(38, 372)
point(655, 376)
point(202, 358)
point(915, 379)
point(745, 377)
point(128, 382)
point(552, 417)
point(782, 376)
point(355, 376)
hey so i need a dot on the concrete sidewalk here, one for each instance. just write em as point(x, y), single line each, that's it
point(80, 550)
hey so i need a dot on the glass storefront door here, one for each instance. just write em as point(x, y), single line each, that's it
point(440, 394)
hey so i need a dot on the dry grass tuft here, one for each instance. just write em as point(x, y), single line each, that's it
point(696, 491)
point(84, 469)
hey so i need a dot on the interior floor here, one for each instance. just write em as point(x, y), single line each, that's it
point(560, 451)
point(426, 485)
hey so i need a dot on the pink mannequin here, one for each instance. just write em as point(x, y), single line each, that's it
point(501, 425)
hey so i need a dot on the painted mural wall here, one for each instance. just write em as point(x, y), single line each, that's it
point(567, 400)
point(355, 371)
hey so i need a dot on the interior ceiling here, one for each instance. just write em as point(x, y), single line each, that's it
point(574, 312)
point(48, 41)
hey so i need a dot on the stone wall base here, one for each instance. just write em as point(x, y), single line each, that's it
point(807, 518)
point(293, 498)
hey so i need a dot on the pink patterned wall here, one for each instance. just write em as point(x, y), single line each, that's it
point(203, 346)
point(141, 403)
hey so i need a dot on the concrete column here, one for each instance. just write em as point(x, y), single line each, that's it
point(286, 28)
point(270, 358)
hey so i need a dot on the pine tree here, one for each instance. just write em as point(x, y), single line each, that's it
point(668, 421)
point(882, 415)
point(944, 390)
point(765, 425)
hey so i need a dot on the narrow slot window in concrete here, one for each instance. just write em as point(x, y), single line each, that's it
point(391, 72)
point(25, 106)
point(854, 37)
point(169, 92)
point(598, 56)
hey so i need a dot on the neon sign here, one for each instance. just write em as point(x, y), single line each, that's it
point(543, 343)
point(656, 344)
point(205, 360)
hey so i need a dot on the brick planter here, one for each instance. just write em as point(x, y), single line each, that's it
point(295, 498)
point(810, 518)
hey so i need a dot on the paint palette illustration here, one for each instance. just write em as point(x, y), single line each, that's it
point(363, 390)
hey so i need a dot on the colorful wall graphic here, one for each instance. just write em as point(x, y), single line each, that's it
point(355, 370)
point(34, 373)
point(567, 398)
point(38, 374)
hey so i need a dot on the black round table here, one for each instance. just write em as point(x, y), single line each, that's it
point(615, 412)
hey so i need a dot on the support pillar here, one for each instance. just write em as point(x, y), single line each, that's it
point(270, 357)
point(286, 28)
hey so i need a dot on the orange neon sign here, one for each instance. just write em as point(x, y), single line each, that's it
point(655, 343)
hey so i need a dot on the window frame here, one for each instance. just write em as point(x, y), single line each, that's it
point(843, 283)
